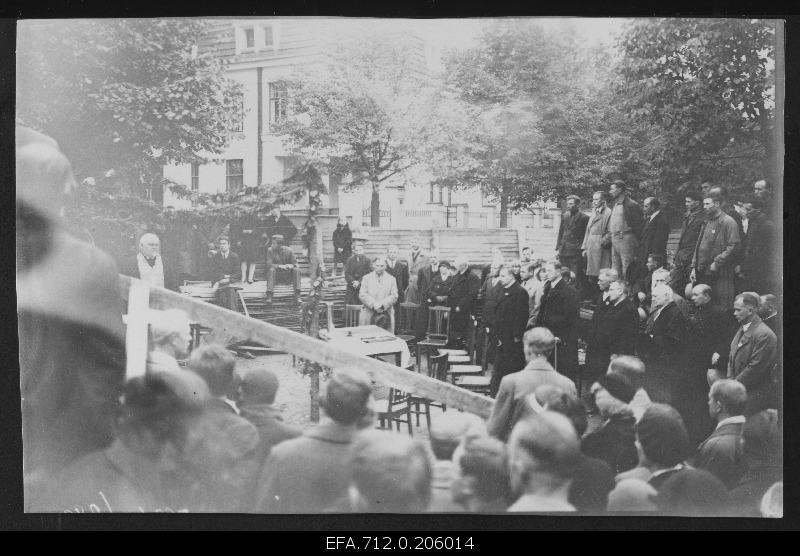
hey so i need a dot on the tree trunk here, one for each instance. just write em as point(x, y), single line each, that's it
point(375, 207)
point(316, 268)
point(504, 205)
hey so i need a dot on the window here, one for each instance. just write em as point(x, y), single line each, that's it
point(436, 194)
point(195, 176)
point(250, 38)
point(268, 36)
point(237, 120)
point(234, 175)
point(277, 103)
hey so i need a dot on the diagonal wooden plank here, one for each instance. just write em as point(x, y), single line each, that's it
point(245, 329)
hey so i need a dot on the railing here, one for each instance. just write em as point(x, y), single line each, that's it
point(384, 215)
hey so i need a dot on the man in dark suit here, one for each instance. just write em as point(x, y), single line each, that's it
point(490, 293)
point(281, 264)
point(511, 317)
point(690, 233)
point(256, 396)
point(570, 240)
point(721, 453)
point(227, 270)
point(753, 354)
point(757, 262)
point(655, 232)
point(150, 266)
point(356, 267)
point(398, 269)
point(613, 330)
point(663, 345)
point(310, 473)
point(463, 294)
point(561, 314)
point(277, 223)
point(425, 277)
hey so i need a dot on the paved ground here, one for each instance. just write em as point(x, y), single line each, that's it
point(293, 395)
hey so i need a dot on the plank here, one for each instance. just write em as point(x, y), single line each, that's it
point(245, 329)
point(137, 328)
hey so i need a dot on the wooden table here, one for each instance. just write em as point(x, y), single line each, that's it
point(352, 339)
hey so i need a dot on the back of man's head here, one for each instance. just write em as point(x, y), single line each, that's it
point(630, 367)
point(345, 396)
point(761, 437)
point(545, 444)
point(769, 304)
point(484, 459)
point(258, 386)
point(43, 174)
point(156, 402)
point(446, 432)
point(539, 341)
point(731, 394)
point(662, 436)
point(392, 472)
point(695, 493)
point(216, 365)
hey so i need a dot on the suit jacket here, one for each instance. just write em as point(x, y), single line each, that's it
point(654, 237)
point(356, 267)
point(463, 295)
point(282, 255)
point(131, 268)
point(752, 359)
point(424, 281)
point(690, 233)
point(270, 426)
point(665, 337)
point(307, 474)
point(758, 248)
point(560, 313)
point(511, 316)
point(490, 294)
point(400, 272)
point(634, 217)
point(342, 237)
point(597, 242)
point(510, 405)
point(721, 454)
point(571, 233)
point(613, 330)
point(415, 264)
point(230, 266)
point(613, 443)
point(711, 330)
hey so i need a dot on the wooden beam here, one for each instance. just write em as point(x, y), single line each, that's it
point(137, 326)
point(244, 329)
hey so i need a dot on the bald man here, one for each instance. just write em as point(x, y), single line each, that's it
point(150, 266)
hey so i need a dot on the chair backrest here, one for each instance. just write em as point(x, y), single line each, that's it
point(328, 307)
point(351, 314)
point(439, 366)
point(439, 322)
point(408, 317)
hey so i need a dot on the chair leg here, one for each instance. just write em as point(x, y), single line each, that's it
point(428, 415)
point(408, 417)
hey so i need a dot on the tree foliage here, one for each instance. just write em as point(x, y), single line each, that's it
point(124, 95)
point(362, 113)
point(707, 86)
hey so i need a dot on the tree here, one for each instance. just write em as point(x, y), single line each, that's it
point(707, 85)
point(362, 114)
point(124, 97)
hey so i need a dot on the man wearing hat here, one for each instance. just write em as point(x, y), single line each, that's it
point(71, 335)
point(614, 441)
point(356, 267)
point(378, 294)
point(281, 264)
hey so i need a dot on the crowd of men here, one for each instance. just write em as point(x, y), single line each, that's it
point(688, 401)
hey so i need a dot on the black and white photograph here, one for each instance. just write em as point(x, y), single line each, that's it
point(340, 265)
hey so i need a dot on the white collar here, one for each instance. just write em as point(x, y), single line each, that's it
point(556, 281)
point(654, 215)
point(735, 420)
point(662, 471)
point(746, 326)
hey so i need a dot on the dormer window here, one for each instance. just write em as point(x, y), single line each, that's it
point(256, 37)
point(269, 38)
point(250, 38)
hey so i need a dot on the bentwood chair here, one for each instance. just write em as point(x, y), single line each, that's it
point(395, 409)
point(439, 372)
point(437, 334)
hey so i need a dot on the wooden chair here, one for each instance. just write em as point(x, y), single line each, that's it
point(477, 384)
point(396, 408)
point(439, 372)
point(406, 329)
point(437, 335)
point(351, 315)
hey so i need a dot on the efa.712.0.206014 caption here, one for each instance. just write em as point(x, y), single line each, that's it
point(399, 543)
